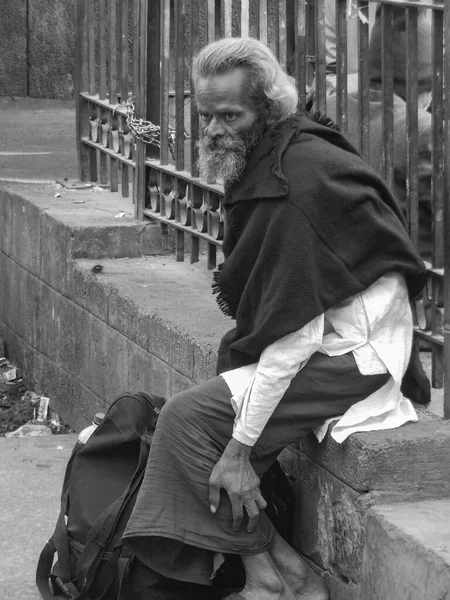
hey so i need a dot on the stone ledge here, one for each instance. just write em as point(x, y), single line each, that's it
point(407, 552)
point(412, 459)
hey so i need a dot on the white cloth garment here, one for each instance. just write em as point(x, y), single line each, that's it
point(375, 325)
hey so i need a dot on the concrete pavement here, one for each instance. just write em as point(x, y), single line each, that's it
point(31, 475)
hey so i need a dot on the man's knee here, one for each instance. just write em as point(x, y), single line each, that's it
point(176, 408)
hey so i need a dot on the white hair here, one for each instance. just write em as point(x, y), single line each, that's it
point(269, 89)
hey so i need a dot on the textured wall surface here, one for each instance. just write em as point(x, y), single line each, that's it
point(51, 49)
point(13, 48)
point(37, 48)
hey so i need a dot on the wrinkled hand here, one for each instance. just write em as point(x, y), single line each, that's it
point(236, 476)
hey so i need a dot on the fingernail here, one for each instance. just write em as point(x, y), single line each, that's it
point(212, 509)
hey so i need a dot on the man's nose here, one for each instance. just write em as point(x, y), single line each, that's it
point(215, 128)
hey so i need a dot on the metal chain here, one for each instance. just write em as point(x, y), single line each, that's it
point(142, 130)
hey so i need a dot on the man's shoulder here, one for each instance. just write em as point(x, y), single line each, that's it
point(318, 149)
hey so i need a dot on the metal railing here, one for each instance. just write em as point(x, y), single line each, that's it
point(141, 50)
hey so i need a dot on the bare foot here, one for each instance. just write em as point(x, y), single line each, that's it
point(300, 578)
point(263, 580)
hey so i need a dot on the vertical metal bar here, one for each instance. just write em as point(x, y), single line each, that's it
point(341, 67)
point(136, 13)
point(91, 47)
point(138, 201)
point(363, 83)
point(113, 51)
point(263, 21)
point(81, 85)
point(311, 27)
point(92, 164)
point(245, 18)
point(140, 174)
point(301, 52)
point(412, 126)
point(152, 70)
point(321, 61)
point(103, 168)
point(195, 249)
point(387, 77)
point(212, 256)
point(125, 181)
point(180, 19)
point(195, 48)
point(211, 18)
point(282, 38)
point(227, 18)
point(114, 166)
point(123, 55)
point(437, 187)
point(447, 217)
point(102, 49)
point(165, 63)
point(179, 245)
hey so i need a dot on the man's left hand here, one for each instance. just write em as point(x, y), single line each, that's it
point(236, 476)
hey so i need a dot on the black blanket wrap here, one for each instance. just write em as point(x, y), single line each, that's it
point(308, 225)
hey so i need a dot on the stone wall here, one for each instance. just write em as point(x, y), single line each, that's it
point(37, 48)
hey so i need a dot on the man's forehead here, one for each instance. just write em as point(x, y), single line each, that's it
point(225, 89)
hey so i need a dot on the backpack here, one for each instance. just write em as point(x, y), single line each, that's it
point(99, 491)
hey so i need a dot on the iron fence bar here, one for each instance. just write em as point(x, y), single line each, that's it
point(226, 18)
point(91, 46)
point(112, 51)
point(341, 66)
point(412, 126)
point(320, 57)
point(164, 78)
point(81, 85)
point(437, 188)
point(387, 82)
point(446, 324)
point(263, 21)
point(211, 18)
point(245, 18)
point(281, 34)
point(123, 52)
point(141, 16)
point(180, 19)
point(102, 15)
point(363, 82)
point(195, 48)
point(135, 15)
point(300, 48)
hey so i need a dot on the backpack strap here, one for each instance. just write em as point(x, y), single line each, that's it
point(58, 542)
point(43, 569)
point(101, 531)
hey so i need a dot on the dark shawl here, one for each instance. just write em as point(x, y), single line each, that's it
point(308, 225)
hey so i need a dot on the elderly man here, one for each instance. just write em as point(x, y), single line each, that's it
point(318, 273)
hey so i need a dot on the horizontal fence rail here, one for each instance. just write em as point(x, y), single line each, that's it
point(138, 127)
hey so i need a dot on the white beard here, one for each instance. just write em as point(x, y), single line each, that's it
point(226, 157)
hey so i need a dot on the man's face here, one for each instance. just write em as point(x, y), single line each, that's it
point(228, 124)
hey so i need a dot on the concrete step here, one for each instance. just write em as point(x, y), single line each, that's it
point(407, 552)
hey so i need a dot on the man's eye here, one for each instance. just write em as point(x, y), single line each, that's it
point(205, 117)
point(230, 117)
